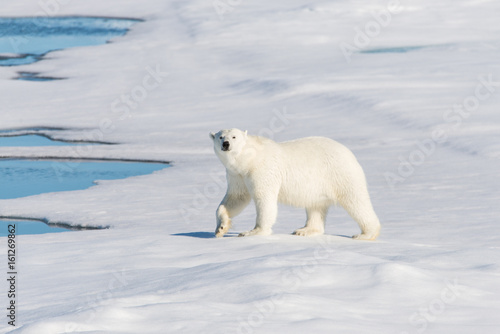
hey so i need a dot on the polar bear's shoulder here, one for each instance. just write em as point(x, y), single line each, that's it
point(323, 142)
point(262, 143)
point(260, 140)
point(312, 140)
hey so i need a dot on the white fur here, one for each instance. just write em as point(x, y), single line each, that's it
point(313, 173)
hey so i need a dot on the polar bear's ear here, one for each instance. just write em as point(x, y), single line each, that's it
point(212, 135)
point(246, 133)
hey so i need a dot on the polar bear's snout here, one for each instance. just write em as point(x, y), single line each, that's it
point(225, 145)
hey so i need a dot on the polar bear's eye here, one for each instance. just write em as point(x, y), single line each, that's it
point(234, 137)
point(220, 137)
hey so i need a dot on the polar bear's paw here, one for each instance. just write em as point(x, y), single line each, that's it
point(256, 231)
point(365, 236)
point(308, 232)
point(222, 229)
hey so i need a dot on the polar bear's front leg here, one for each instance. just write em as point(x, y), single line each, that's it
point(315, 224)
point(223, 221)
point(267, 211)
point(255, 231)
point(232, 204)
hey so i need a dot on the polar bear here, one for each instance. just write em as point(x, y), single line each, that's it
point(313, 173)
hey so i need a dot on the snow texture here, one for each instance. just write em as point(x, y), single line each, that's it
point(412, 88)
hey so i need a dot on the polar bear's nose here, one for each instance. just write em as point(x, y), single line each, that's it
point(225, 145)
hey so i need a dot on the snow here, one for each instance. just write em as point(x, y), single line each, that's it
point(276, 69)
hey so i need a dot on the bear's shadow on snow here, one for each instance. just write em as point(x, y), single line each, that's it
point(201, 235)
point(211, 235)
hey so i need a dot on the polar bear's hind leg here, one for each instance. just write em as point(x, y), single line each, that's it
point(361, 210)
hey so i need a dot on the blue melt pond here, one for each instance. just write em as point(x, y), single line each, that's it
point(30, 140)
point(20, 178)
point(27, 227)
point(25, 40)
point(403, 49)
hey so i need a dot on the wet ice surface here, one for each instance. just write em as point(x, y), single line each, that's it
point(25, 40)
point(35, 76)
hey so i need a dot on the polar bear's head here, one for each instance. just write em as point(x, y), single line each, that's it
point(232, 140)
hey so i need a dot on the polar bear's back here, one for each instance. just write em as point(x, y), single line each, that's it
point(312, 147)
point(317, 169)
